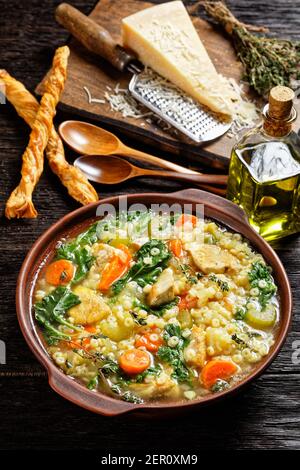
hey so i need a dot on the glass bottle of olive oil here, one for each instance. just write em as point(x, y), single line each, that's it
point(264, 172)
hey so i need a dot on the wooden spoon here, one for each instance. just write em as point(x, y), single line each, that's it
point(88, 139)
point(114, 170)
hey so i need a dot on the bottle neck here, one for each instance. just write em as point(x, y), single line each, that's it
point(278, 127)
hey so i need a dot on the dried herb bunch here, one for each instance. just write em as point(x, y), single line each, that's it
point(267, 61)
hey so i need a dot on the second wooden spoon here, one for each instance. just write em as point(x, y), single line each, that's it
point(89, 139)
point(113, 170)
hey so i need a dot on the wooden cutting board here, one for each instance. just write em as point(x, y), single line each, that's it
point(88, 70)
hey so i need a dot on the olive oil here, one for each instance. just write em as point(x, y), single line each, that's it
point(264, 173)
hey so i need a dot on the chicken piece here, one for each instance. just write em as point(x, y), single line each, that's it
point(162, 290)
point(91, 309)
point(103, 254)
point(212, 259)
point(195, 352)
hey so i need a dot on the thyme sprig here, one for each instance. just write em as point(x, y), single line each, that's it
point(267, 61)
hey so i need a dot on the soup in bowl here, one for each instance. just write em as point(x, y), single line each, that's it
point(151, 307)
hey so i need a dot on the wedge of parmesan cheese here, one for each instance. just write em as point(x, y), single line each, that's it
point(164, 38)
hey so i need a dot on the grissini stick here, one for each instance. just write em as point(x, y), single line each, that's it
point(27, 107)
point(20, 202)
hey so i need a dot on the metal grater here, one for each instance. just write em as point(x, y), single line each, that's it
point(176, 107)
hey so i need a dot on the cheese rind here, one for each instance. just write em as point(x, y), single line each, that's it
point(164, 38)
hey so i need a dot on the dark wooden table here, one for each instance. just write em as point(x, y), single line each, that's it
point(266, 415)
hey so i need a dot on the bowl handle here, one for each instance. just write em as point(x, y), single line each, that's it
point(215, 201)
point(95, 402)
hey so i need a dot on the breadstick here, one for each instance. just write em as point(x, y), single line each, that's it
point(27, 107)
point(20, 202)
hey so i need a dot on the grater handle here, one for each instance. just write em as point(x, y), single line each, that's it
point(93, 36)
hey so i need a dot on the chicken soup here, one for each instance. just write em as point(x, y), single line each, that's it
point(151, 307)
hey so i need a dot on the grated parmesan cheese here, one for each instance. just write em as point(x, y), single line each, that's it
point(245, 112)
point(90, 99)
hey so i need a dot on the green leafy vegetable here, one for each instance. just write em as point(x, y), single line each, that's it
point(159, 311)
point(150, 259)
point(174, 355)
point(240, 313)
point(260, 278)
point(51, 311)
point(172, 330)
point(155, 370)
point(93, 383)
point(76, 251)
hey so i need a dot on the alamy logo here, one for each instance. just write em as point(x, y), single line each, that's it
point(2, 94)
point(2, 352)
point(161, 222)
point(296, 352)
point(296, 88)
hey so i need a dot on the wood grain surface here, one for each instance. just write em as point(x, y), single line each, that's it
point(32, 416)
point(87, 70)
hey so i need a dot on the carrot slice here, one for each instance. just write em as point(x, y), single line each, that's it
point(176, 247)
point(186, 302)
point(134, 361)
point(127, 252)
point(115, 268)
point(60, 272)
point(82, 343)
point(111, 272)
point(184, 218)
point(75, 345)
point(217, 369)
point(151, 341)
point(90, 329)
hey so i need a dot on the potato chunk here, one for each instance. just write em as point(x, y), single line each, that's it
point(118, 329)
point(212, 259)
point(162, 290)
point(91, 309)
point(195, 353)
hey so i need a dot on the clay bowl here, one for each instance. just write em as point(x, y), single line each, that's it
point(215, 207)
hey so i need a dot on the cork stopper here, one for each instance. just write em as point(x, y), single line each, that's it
point(280, 102)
